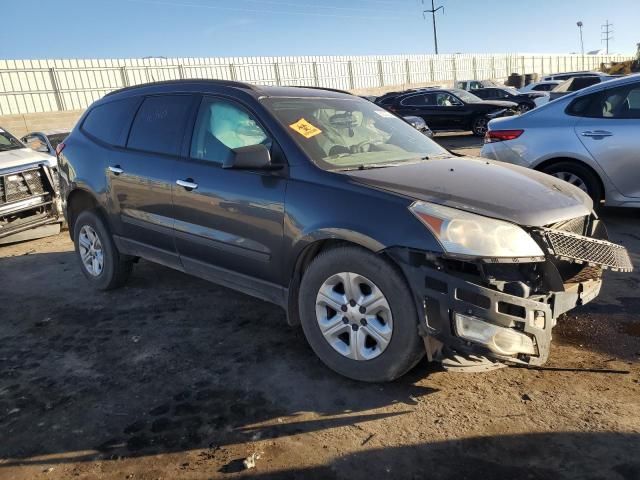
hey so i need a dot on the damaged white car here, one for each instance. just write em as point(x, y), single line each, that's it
point(29, 202)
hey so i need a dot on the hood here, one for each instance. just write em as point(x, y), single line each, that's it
point(498, 103)
point(493, 189)
point(24, 156)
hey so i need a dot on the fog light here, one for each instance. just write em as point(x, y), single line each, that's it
point(501, 340)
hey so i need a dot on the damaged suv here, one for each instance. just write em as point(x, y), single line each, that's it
point(379, 242)
point(30, 206)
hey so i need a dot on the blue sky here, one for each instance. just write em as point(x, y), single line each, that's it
point(201, 28)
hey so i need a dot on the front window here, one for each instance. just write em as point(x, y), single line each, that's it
point(8, 142)
point(341, 133)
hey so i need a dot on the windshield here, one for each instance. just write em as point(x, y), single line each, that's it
point(344, 133)
point(465, 96)
point(8, 141)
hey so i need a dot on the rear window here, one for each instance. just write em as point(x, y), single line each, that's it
point(109, 122)
point(159, 124)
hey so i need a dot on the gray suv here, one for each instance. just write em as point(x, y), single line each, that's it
point(381, 244)
point(590, 138)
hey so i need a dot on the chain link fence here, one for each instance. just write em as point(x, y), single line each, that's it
point(30, 86)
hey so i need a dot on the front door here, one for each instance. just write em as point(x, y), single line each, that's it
point(610, 132)
point(229, 223)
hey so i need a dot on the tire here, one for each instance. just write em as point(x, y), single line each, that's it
point(580, 176)
point(479, 126)
point(525, 107)
point(379, 363)
point(115, 269)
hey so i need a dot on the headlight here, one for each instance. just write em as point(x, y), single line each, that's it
point(464, 233)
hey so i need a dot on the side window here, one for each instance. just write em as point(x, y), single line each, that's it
point(415, 101)
point(109, 122)
point(36, 142)
point(159, 124)
point(222, 126)
point(615, 103)
point(587, 106)
point(446, 100)
point(543, 87)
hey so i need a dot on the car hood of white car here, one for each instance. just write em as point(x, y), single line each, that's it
point(12, 159)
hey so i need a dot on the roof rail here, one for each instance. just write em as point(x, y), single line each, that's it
point(337, 90)
point(225, 83)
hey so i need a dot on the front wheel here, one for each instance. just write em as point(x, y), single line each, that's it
point(359, 316)
point(578, 176)
point(479, 126)
point(524, 108)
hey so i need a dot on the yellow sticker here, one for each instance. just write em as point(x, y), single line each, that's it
point(305, 129)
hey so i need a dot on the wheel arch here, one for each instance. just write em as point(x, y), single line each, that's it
point(78, 201)
point(308, 248)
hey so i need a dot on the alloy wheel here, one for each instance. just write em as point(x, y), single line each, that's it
point(573, 179)
point(480, 126)
point(91, 251)
point(354, 316)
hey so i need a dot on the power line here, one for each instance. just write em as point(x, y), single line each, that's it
point(433, 11)
point(606, 34)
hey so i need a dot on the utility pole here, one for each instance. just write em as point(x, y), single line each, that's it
point(579, 24)
point(433, 15)
point(606, 34)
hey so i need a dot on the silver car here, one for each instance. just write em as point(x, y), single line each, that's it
point(590, 138)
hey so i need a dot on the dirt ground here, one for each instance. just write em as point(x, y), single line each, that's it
point(173, 377)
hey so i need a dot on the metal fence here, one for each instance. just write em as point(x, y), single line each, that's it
point(29, 86)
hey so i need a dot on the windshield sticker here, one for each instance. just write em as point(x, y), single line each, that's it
point(384, 113)
point(305, 129)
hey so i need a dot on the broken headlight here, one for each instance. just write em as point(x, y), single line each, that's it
point(464, 233)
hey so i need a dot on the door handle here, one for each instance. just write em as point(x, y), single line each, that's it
point(188, 184)
point(596, 133)
point(116, 170)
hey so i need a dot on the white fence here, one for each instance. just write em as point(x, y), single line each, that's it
point(29, 86)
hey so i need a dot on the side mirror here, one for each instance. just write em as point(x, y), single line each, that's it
point(251, 157)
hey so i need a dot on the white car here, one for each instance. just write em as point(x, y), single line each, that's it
point(30, 206)
point(544, 86)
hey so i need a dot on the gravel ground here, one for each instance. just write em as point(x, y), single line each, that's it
point(172, 377)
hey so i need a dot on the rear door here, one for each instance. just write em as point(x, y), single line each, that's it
point(229, 223)
point(609, 128)
point(142, 175)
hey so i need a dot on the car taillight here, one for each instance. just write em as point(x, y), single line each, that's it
point(59, 148)
point(493, 136)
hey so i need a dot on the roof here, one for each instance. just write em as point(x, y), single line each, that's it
point(196, 85)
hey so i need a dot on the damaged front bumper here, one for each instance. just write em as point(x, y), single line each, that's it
point(505, 310)
point(30, 205)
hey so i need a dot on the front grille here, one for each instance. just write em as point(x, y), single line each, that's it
point(580, 249)
point(21, 185)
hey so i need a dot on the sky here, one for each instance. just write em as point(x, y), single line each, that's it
point(32, 29)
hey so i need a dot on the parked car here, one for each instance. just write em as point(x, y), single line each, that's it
point(567, 75)
point(588, 138)
point(448, 109)
point(576, 83)
point(375, 239)
point(420, 125)
point(45, 142)
point(525, 101)
point(542, 87)
point(29, 203)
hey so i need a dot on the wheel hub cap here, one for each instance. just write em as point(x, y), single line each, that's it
point(91, 252)
point(354, 316)
point(572, 179)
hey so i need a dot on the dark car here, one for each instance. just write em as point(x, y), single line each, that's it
point(375, 239)
point(451, 109)
point(525, 101)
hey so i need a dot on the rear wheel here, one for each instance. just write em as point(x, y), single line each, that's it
point(479, 126)
point(358, 315)
point(579, 176)
point(100, 261)
point(524, 107)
